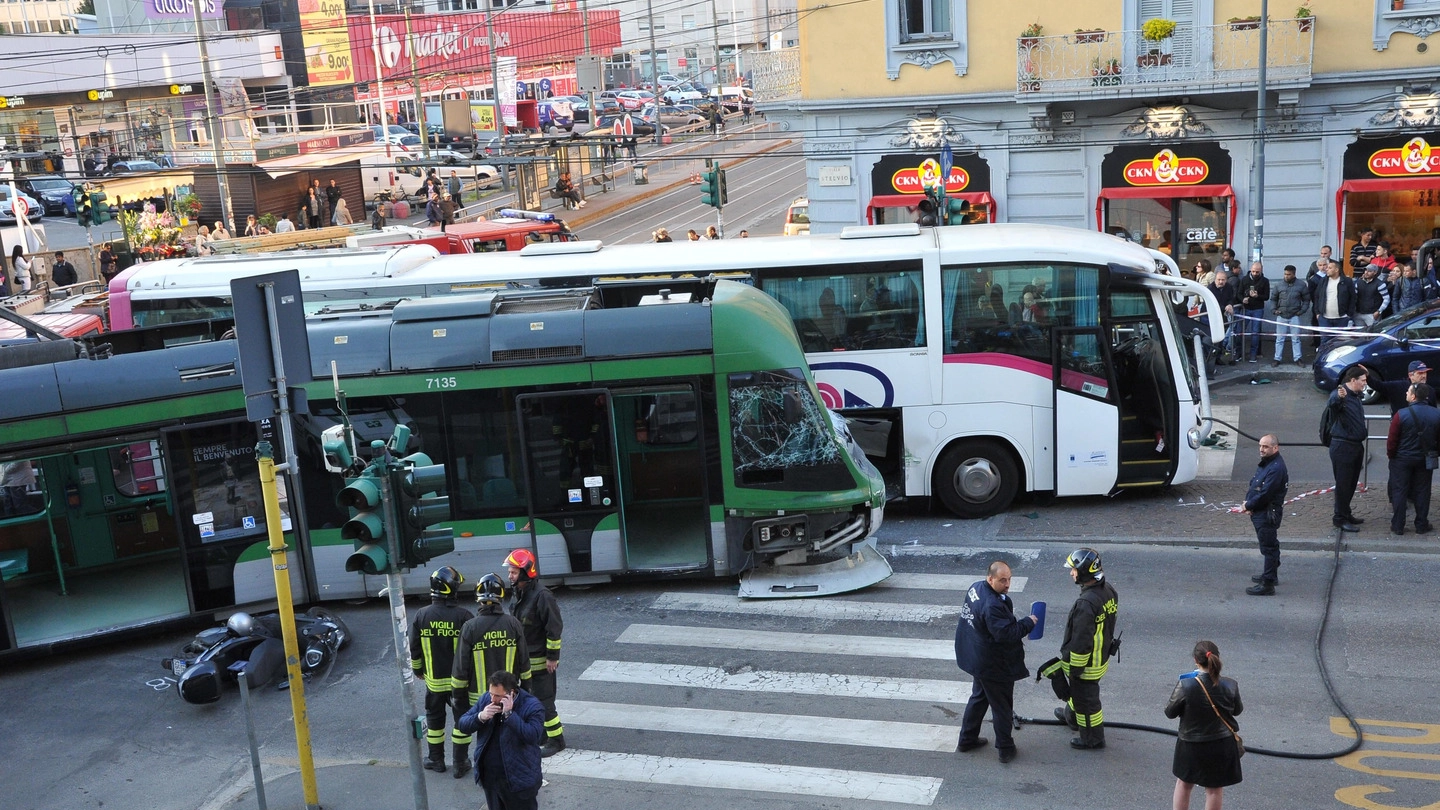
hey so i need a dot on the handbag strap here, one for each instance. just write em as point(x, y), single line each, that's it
point(1213, 707)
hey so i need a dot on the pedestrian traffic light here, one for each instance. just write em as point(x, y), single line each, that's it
point(710, 190)
point(418, 486)
point(366, 526)
point(99, 208)
point(82, 209)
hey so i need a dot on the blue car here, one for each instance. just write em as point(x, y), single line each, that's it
point(1386, 352)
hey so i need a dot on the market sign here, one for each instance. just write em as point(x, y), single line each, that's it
point(1156, 166)
point(181, 9)
point(1408, 155)
point(9, 102)
point(912, 174)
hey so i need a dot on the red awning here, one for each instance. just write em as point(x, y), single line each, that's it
point(912, 200)
point(1377, 184)
point(1163, 193)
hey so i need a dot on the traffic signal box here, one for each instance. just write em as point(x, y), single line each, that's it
point(937, 209)
point(366, 526)
point(91, 208)
point(83, 213)
point(418, 486)
point(712, 187)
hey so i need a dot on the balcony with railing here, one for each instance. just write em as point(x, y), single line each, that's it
point(1195, 59)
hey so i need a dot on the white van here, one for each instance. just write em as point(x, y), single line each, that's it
point(733, 98)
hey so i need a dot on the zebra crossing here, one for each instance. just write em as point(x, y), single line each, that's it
point(674, 663)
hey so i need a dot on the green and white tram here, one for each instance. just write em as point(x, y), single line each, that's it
point(617, 431)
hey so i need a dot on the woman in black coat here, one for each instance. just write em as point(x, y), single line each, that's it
point(1206, 753)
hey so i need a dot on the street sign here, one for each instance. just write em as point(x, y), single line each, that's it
point(22, 208)
point(519, 88)
point(253, 333)
point(947, 162)
point(625, 126)
point(544, 85)
point(590, 73)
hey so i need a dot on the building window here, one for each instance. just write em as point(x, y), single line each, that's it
point(659, 23)
point(643, 25)
point(926, 33)
point(1418, 18)
point(687, 21)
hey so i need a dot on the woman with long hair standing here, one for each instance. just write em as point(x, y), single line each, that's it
point(1207, 751)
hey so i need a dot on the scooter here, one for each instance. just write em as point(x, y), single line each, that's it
point(205, 665)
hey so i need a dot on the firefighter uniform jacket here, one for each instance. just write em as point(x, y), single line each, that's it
point(434, 634)
point(490, 642)
point(539, 614)
point(1089, 630)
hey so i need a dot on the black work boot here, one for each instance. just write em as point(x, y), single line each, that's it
point(552, 746)
point(436, 760)
point(461, 752)
point(1064, 715)
point(1090, 738)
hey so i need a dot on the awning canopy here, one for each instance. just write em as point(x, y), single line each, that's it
point(1169, 192)
point(975, 198)
point(315, 160)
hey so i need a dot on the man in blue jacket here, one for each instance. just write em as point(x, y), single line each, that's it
point(508, 723)
point(988, 646)
point(1265, 504)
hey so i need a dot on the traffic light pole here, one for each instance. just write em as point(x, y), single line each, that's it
point(395, 589)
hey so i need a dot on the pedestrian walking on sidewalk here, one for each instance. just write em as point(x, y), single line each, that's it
point(1207, 750)
point(1265, 504)
point(989, 646)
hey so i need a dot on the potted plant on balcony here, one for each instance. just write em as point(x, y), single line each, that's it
point(1085, 36)
point(1305, 17)
point(1104, 74)
point(1245, 23)
point(1030, 37)
point(1157, 30)
point(1397, 5)
point(1029, 77)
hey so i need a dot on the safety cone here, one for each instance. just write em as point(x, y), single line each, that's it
point(695, 178)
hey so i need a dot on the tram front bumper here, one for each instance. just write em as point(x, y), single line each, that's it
point(860, 569)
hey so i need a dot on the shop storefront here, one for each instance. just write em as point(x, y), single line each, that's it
point(897, 185)
point(1392, 185)
point(1176, 199)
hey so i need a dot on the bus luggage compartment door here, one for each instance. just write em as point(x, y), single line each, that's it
point(574, 490)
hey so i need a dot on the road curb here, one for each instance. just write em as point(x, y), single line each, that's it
point(651, 193)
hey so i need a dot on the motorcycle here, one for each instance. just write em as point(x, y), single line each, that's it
point(209, 662)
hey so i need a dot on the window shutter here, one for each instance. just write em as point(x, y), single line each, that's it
point(1182, 45)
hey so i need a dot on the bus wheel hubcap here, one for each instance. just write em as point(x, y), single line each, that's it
point(977, 480)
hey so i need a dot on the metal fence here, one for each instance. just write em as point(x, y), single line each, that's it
point(1215, 57)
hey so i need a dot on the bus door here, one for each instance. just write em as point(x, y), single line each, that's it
point(1087, 419)
point(1149, 404)
point(662, 477)
point(574, 491)
point(88, 542)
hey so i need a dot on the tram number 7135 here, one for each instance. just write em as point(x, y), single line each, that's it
point(441, 382)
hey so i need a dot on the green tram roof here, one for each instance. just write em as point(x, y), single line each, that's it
point(742, 328)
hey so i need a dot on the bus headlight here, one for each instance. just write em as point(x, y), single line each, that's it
point(1192, 437)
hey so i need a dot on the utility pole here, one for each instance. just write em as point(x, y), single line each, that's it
point(715, 37)
point(216, 133)
point(1258, 239)
point(654, 71)
point(495, 89)
point(415, 83)
point(380, 93)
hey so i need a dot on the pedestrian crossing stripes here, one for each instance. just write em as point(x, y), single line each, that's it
point(943, 582)
point(805, 683)
point(829, 609)
point(889, 734)
point(773, 641)
point(757, 776)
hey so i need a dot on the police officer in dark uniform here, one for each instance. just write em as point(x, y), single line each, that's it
point(988, 645)
point(539, 614)
point(1089, 644)
point(490, 642)
point(1347, 444)
point(1265, 504)
point(434, 636)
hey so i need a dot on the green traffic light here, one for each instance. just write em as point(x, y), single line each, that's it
point(368, 559)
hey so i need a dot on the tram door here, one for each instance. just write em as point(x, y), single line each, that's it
point(574, 491)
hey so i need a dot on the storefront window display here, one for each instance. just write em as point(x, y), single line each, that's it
point(1175, 199)
point(33, 131)
point(1391, 185)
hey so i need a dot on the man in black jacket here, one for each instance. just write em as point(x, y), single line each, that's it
point(988, 645)
point(62, 273)
point(1413, 438)
point(1334, 298)
point(1225, 297)
point(1265, 504)
point(1347, 444)
point(1254, 292)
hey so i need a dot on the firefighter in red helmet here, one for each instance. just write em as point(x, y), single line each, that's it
point(539, 614)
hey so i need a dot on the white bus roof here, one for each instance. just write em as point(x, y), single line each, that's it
point(211, 275)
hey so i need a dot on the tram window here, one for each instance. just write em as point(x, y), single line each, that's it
point(1009, 309)
point(851, 307)
point(782, 438)
point(21, 497)
point(667, 419)
point(484, 449)
point(138, 469)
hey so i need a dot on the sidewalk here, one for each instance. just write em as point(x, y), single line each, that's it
point(668, 167)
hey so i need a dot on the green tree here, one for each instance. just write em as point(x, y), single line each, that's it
point(86, 7)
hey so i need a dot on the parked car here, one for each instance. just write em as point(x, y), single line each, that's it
point(733, 98)
point(54, 191)
point(34, 210)
point(557, 113)
point(133, 166)
point(1386, 352)
point(397, 136)
point(682, 92)
point(673, 116)
point(797, 217)
point(668, 79)
point(605, 125)
point(634, 99)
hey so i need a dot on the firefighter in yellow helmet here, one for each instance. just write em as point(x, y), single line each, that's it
point(539, 614)
point(434, 636)
point(1090, 641)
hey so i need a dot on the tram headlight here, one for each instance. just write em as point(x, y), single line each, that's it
point(1192, 437)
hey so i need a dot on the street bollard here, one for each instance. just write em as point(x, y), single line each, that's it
point(239, 667)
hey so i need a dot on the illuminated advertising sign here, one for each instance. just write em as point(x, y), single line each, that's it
point(326, 37)
point(1159, 166)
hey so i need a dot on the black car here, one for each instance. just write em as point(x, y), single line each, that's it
point(53, 191)
point(643, 126)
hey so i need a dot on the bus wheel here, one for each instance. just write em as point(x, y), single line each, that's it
point(976, 479)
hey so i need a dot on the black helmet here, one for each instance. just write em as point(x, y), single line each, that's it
point(445, 582)
point(490, 590)
point(1086, 562)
